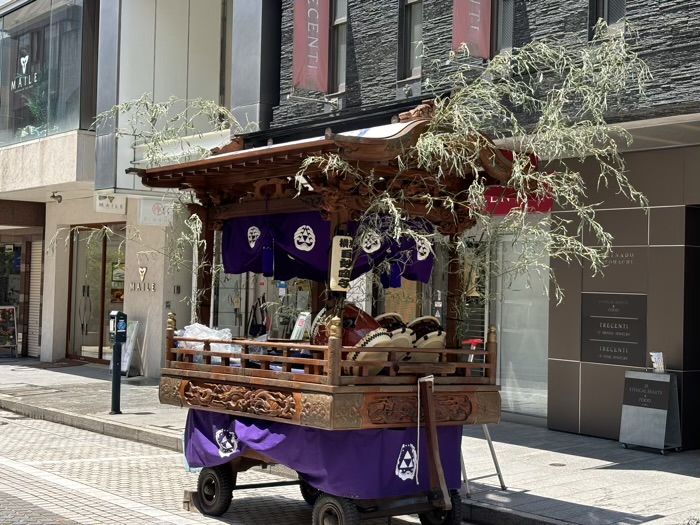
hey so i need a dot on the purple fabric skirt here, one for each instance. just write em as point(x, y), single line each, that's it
point(359, 464)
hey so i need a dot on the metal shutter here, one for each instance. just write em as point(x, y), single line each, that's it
point(34, 318)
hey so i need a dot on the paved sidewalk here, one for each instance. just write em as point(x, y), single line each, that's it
point(551, 477)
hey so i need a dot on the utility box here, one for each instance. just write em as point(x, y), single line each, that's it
point(117, 327)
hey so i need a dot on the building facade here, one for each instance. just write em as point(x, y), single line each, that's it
point(364, 62)
point(297, 68)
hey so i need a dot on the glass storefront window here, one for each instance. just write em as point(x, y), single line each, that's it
point(40, 70)
point(521, 315)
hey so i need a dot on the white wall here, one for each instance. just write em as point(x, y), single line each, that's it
point(168, 47)
point(149, 249)
point(64, 158)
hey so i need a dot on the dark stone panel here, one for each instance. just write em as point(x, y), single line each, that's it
point(626, 272)
point(691, 310)
point(689, 395)
point(667, 226)
point(667, 41)
point(628, 227)
point(565, 317)
point(664, 304)
point(646, 169)
point(602, 388)
point(691, 186)
point(563, 395)
point(692, 225)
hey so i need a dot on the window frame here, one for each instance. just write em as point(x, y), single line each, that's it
point(336, 25)
point(601, 9)
point(406, 46)
point(496, 27)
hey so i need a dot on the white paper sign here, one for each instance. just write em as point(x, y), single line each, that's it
point(341, 263)
point(114, 204)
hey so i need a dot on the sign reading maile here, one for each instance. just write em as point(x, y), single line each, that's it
point(341, 263)
point(114, 204)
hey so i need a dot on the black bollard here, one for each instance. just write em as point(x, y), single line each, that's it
point(116, 377)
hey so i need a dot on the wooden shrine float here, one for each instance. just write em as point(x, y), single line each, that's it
point(327, 390)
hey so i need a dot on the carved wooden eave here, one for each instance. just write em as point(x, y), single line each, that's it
point(237, 182)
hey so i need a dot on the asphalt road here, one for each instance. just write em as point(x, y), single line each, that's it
point(54, 474)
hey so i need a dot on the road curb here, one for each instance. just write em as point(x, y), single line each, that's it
point(485, 514)
point(94, 424)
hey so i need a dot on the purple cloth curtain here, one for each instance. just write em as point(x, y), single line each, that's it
point(305, 237)
point(243, 242)
point(298, 244)
point(360, 464)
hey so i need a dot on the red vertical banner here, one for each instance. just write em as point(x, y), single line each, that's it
point(472, 25)
point(311, 43)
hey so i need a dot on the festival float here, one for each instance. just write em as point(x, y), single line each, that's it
point(369, 410)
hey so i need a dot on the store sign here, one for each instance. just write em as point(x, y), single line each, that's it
point(614, 329)
point(647, 393)
point(341, 263)
point(113, 204)
point(142, 285)
point(500, 200)
point(155, 212)
point(24, 77)
point(472, 26)
point(311, 42)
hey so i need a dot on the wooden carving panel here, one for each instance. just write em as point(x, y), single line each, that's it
point(256, 401)
point(396, 409)
point(169, 391)
point(316, 410)
point(347, 411)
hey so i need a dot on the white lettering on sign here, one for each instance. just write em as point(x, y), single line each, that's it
point(312, 34)
point(142, 287)
point(475, 15)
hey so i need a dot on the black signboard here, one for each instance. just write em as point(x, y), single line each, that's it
point(646, 393)
point(614, 329)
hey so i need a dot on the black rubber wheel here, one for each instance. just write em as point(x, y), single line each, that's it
point(215, 490)
point(624, 445)
point(441, 517)
point(309, 493)
point(329, 510)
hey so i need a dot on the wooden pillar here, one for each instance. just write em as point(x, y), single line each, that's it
point(454, 298)
point(335, 350)
point(205, 265)
point(492, 357)
point(170, 327)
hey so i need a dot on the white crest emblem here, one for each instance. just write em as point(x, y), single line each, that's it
point(23, 62)
point(142, 272)
point(304, 238)
point(227, 442)
point(253, 235)
point(422, 248)
point(406, 464)
point(371, 241)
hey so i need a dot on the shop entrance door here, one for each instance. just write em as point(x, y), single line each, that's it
point(97, 286)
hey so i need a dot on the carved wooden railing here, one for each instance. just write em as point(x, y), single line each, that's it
point(325, 365)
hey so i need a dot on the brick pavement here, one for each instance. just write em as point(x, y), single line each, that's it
point(552, 477)
point(55, 474)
